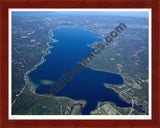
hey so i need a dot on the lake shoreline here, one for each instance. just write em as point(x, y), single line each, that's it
point(42, 60)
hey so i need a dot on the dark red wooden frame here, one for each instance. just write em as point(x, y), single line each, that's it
point(6, 4)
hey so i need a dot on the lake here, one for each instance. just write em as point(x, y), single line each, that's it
point(64, 55)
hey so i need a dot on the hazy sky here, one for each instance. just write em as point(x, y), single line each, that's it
point(106, 13)
point(117, 13)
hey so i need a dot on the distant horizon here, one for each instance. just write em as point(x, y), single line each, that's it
point(140, 14)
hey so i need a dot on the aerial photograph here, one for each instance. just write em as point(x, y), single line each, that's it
point(79, 62)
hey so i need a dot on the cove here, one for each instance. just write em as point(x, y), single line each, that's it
point(64, 55)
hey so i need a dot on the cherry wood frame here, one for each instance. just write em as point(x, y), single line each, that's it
point(6, 4)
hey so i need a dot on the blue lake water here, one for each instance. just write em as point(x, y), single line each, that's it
point(88, 84)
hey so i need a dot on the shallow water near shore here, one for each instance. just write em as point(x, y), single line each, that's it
point(87, 85)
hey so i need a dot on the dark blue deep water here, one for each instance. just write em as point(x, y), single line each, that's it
point(86, 85)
